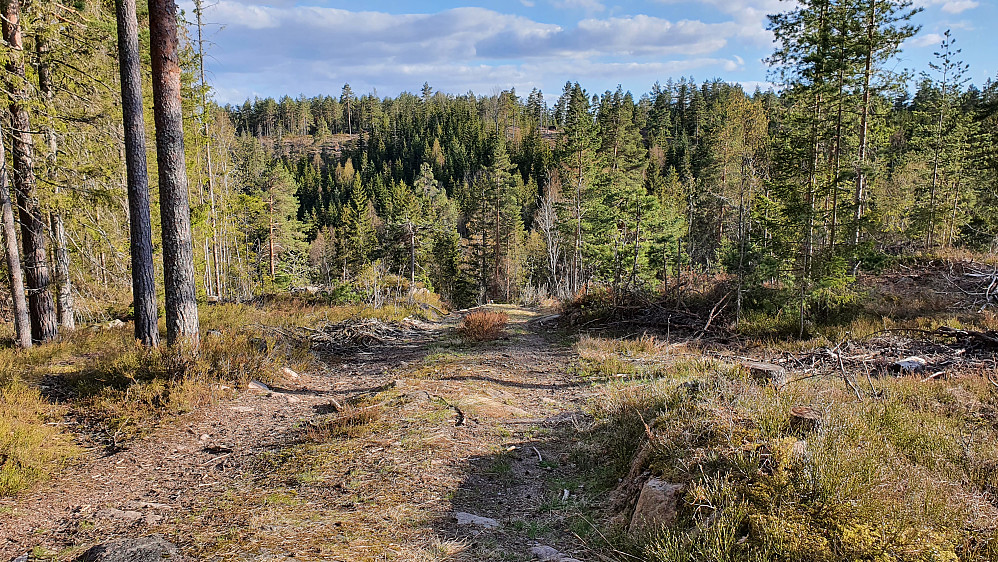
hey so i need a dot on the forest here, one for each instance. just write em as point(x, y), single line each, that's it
point(301, 248)
point(505, 198)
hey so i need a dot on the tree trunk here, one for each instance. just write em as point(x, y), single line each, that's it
point(864, 125)
point(178, 252)
point(140, 225)
point(273, 257)
point(63, 283)
point(44, 323)
point(22, 324)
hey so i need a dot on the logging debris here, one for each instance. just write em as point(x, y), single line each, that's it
point(352, 335)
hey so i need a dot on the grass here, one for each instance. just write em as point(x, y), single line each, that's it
point(907, 475)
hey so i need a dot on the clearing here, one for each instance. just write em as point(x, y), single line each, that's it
point(369, 457)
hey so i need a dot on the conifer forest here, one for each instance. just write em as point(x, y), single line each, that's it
point(695, 322)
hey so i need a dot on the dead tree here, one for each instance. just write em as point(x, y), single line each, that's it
point(178, 252)
point(34, 231)
point(22, 324)
point(140, 224)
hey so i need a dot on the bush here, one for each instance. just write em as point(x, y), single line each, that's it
point(483, 325)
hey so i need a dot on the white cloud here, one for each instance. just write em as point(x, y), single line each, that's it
point(748, 15)
point(951, 6)
point(926, 40)
point(273, 50)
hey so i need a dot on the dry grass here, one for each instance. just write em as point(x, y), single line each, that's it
point(644, 356)
point(909, 473)
point(118, 390)
point(483, 325)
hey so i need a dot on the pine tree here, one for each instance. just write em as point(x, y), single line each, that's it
point(178, 253)
point(41, 306)
point(140, 224)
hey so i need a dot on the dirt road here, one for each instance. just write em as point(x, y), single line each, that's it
point(430, 450)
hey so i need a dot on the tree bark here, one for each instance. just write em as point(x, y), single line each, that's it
point(864, 125)
point(22, 324)
point(140, 225)
point(63, 283)
point(44, 323)
point(178, 252)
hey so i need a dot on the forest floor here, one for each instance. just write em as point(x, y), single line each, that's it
point(376, 455)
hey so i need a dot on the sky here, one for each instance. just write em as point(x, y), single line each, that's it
point(263, 48)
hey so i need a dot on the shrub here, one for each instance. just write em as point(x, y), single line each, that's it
point(483, 325)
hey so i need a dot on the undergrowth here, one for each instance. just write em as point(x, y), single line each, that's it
point(905, 474)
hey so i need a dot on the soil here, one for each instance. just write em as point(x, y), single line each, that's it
point(369, 457)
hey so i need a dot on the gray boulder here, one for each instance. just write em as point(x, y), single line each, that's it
point(145, 549)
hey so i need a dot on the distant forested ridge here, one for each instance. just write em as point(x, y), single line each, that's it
point(504, 197)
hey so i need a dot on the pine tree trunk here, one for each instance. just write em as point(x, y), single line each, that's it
point(64, 286)
point(22, 324)
point(178, 252)
point(44, 323)
point(140, 224)
point(273, 257)
point(864, 126)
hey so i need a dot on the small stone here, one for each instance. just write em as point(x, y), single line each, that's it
point(289, 373)
point(146, 549)
point(242, 409)
point(21, 558)
point(471, 519)
point(131, 517)
point(656, 507)
point(257, 385)
point(548, 554)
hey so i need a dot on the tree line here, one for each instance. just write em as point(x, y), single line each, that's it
point(788, 193)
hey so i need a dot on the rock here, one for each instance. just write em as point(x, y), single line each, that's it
point(21, 558)
point(257, 385)
point(766, 372)
point(692, 387)
point(242, 409)
point(128, 516)
point(471, 519)
point(909, 365)
point(145, 549)
point(289, 373)
point(548, 554)
point(657, 506)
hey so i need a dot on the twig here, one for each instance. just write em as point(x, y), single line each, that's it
point(539, 457)
point(933, 376)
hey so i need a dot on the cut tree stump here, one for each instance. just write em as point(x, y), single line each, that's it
point(802, 417)
point(766, 372)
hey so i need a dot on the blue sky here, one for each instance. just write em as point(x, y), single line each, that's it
point(277, 47)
